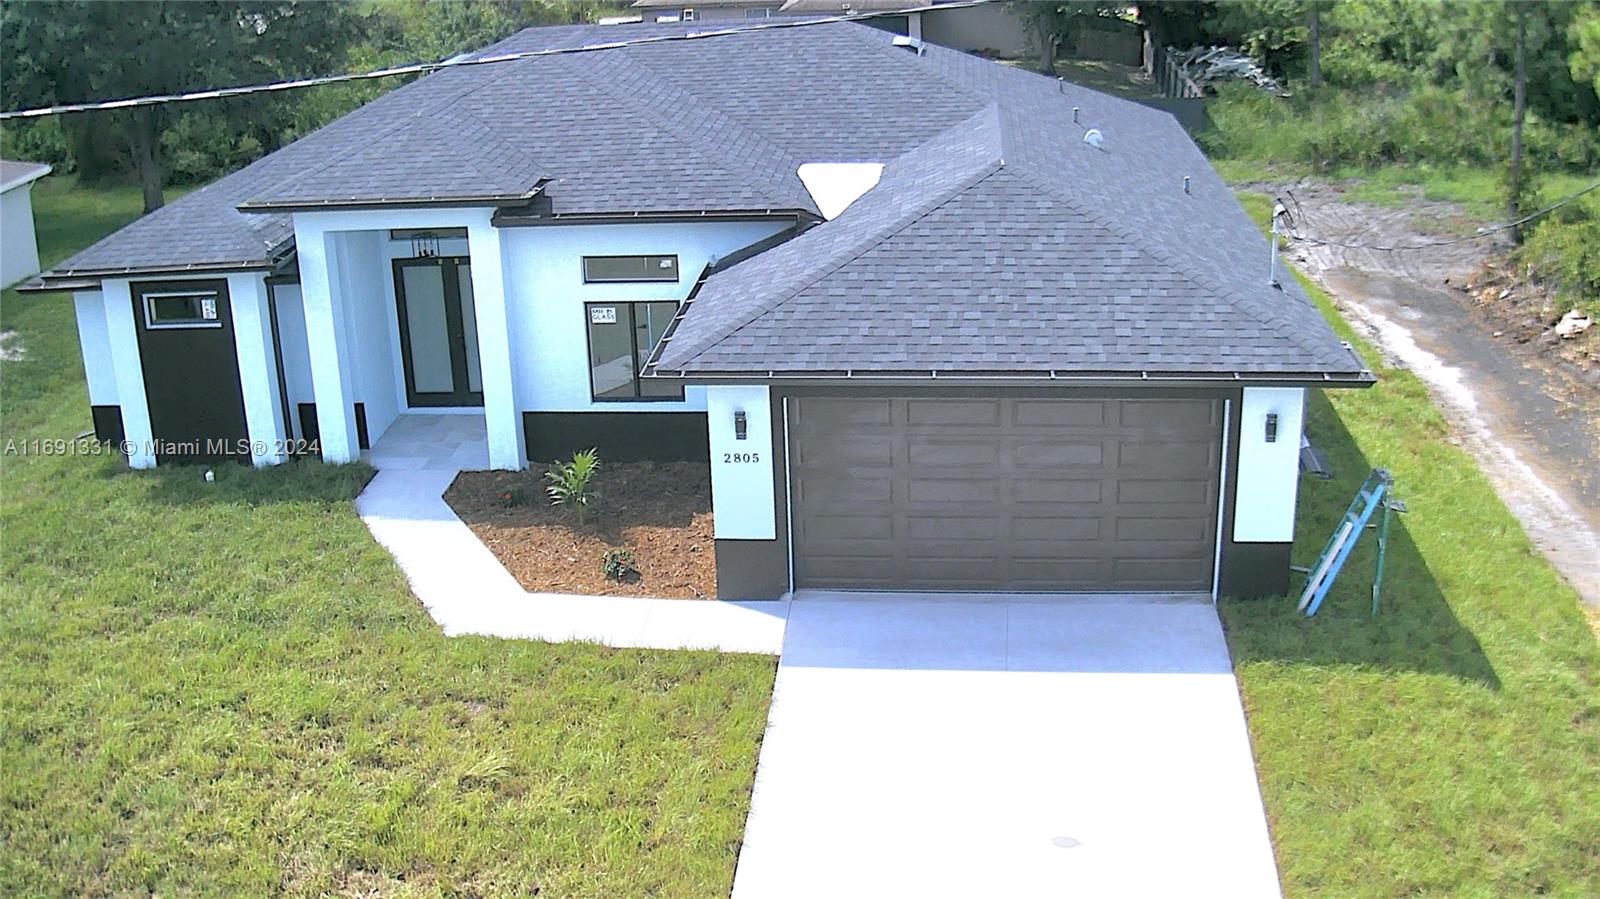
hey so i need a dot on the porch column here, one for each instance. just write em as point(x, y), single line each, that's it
point(328, 340)
point(501, 412)
point(138, 439)
point(258, 369)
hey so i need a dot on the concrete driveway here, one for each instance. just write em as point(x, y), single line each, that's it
point(927, 746)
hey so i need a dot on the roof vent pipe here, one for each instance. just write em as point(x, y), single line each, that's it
point(1094, 138)
point(1185, 184)
point(1278, 211)
point(1074, 115)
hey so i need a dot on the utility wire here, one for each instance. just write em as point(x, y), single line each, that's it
point(1294, 228)
point(425, 67)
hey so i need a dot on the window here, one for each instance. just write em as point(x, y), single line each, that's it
point(621, 336)
point(189, 309)
point(688, 15)
point(601, 269)
point(764, 12)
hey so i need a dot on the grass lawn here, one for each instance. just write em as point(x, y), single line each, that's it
point(227, 690)
point(1451, 747)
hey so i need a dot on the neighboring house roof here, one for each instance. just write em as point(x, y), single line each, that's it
point(996, 240)
point(813, 6)
point(15, 174)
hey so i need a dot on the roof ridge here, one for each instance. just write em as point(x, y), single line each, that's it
point(1245, 304)
point(587, 71)
point(865, 245)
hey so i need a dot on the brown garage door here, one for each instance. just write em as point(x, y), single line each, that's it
point(1004, 494)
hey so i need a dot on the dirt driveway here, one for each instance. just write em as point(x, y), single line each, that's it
point(1532, 421)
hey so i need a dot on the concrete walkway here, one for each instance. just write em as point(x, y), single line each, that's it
point(939, 747)
point(468, 591)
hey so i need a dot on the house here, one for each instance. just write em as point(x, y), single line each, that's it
point(19, 248)
point(936, 322)
point(989, 28)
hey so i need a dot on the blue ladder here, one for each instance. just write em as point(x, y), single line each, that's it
point(1377, 492)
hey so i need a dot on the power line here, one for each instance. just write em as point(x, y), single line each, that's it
point(1294, 231)
point(425, 67)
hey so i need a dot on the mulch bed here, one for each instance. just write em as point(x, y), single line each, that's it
point(661, 512)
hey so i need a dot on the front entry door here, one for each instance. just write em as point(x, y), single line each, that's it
point(438, 331)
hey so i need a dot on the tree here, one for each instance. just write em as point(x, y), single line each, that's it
point(1516, 186)
point(142, 48)
point(1314, 43)
point(1584, 36)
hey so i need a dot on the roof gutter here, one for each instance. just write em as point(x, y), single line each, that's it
point(353, 203)
point(90, 278)
point(511, 219)
point(1361, 379)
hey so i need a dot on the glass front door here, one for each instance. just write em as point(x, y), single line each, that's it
point(438, 331)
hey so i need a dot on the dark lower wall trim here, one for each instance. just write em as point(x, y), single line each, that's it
point(752, 569)
point(310, 431)
point(619, 436)
point(1255, 570)
point(107, 424)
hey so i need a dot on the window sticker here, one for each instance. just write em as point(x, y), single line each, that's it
point(603, 315)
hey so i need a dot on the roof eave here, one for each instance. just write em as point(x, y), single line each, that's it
point(510, 219)
point(29, 177)
point(353, 203)
point(1059, 378)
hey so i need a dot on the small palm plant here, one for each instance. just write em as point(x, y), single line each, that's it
point(571, 482)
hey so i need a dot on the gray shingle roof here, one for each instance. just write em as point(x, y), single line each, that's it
point(996, 238)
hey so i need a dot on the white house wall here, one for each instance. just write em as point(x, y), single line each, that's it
point(546, 293)
point(294, 350)
point(19, 251)
point(94, 338)
point(742, 490)
point(368, 316)
point(1269, 473)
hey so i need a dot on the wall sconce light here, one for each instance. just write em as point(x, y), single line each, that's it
point(1272, 427)
point(741, 425)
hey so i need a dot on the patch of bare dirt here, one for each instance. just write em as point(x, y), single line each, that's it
point(661, 513)
point(1531, 419)
point(1527, 312)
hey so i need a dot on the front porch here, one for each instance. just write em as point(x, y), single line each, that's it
point(398, 325)
point(436, 441)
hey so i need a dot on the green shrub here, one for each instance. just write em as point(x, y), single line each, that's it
point(617, 564)
point(1564, 248)
point(571, 483)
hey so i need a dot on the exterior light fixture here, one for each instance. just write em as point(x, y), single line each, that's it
point(741, 425)
point(1272, 427)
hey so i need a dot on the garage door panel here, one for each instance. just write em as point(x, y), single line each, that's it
point(1165, 491)
point(1004, 494)
point(945, 528)
point(1059, 455)
point(952, 490)
point(827, 415)
point(870, 451)
point(1026, 532)
point(829, 488)
point(959, 413)
point(1173, 415)
point(930, 451)
point(1058, 413)
point(1191, 458)
point(1034, 491)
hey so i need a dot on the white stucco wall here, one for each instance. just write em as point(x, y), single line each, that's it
point(742, 490)
point(19, 250)
point(546, 293)
point(94, 339)
point(296, 352)
point(370, 322)
point(988, 27)
point(1269, 473)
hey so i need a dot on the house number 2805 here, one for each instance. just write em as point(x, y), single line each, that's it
point(741, 457)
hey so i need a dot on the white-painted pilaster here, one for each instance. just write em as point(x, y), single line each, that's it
point(327, 339)
point(1269, 473)
point(94, 340)
point(742, 492)
point(125, 360)
point(258, 370)
point(502, 413)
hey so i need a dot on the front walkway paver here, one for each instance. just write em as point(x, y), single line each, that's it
point(943, 747)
